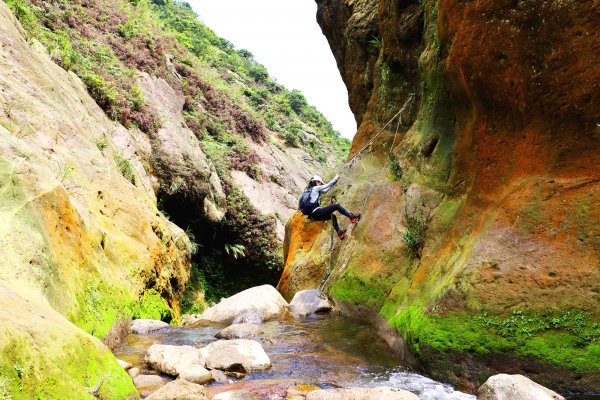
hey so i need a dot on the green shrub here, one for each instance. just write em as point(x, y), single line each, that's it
point(297, 101)
point(376, 42)
point(414, 236)
point(64, 171)
point(101, 143)
point(126, 168)
point(395, 167)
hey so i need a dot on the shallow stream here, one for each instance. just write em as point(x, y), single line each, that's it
point(326, 351)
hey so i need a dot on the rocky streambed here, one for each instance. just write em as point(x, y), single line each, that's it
point(250, 347)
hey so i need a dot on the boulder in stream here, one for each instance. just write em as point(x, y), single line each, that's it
point(239, 355)
point(258, 304)
point(179, 390)
point(503, 386)
point(219, 376)
point(147, 384)
point(262, 389)
point(380, 393)
point(145, 326)
point(307, 302)
point(134, 372)
point(240, 331)
point(183, 361)
point(124, 364)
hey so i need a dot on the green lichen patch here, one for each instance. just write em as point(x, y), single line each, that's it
point(101, 306)
point(53, 368)
point(153, 306)
point(563, 338)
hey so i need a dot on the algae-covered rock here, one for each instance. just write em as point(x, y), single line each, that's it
point(478, 184)
point(45, 356)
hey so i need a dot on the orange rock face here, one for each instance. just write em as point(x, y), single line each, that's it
point(489, 204)
point(300, 236)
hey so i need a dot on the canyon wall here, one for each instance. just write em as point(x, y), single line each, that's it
point(480, 237)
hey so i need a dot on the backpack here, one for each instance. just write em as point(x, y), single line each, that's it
point(305, 205)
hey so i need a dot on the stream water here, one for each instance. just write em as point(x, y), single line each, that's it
point(327, 351)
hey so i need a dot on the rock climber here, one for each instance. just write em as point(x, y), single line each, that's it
point(310, 204)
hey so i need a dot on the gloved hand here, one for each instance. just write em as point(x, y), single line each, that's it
point(336, 178)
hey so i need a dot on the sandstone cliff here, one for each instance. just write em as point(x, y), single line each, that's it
point(480, 243)
point(104, 148)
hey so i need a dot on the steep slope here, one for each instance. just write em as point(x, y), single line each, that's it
point(112, 132)
point(480, 243)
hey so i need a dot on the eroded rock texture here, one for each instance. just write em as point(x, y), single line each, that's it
point(486, 215)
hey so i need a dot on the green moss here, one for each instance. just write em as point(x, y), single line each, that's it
point(126, 168)
point(445, 212)
point(153, 306)
point(532, 215)
point(567, 339)
point(582, 210)
point(47, 368)
point(102, 305)
point(370, 291)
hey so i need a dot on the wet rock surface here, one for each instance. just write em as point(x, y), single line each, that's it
point(306, 354)
point(184, 361)
point(240, 331)
point(380, 393)
point(307, 302)
point(147, 384)
point(503, 386)
point(144, 326)
point(179, 390)
point(237, 355)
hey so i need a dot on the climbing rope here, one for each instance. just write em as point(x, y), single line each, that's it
point(364, 206)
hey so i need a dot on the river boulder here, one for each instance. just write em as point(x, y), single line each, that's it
point(263, 302)
point(145, 326)
point(179, 390)
point(289, 389)
point(239, 355)
point(307, 302)
point(147, 384)
point(125, 365)
point(380, 393)
point(240, 331)
point(503, 386)
point(182, 361)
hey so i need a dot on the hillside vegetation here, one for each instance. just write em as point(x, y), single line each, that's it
point(230, 102)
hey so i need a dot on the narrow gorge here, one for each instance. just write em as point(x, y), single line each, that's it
point(150, 174)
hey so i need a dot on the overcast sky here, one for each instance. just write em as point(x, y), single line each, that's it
point(284, 36)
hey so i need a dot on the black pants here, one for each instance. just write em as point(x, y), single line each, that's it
point(327, 212)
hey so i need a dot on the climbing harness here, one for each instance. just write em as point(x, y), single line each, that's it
point(349, 164)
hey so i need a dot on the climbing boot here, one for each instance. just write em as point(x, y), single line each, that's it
point(342, 234)
point(354, 218)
